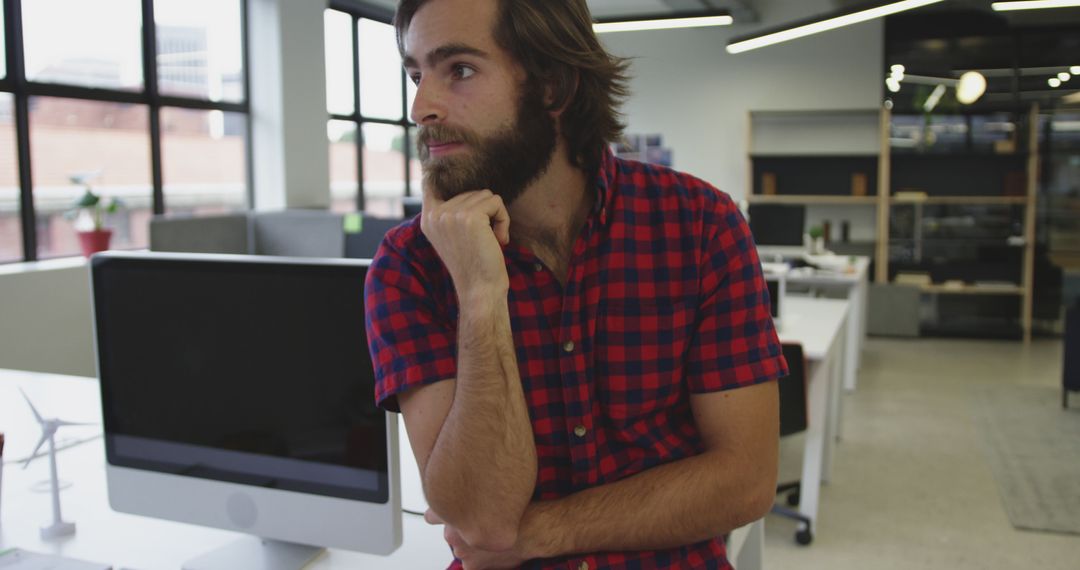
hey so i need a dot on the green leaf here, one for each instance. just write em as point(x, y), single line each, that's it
point(88, 200)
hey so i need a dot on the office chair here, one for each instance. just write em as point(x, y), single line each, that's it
point(793, 420)
point(1070, 376)
point(365, 243)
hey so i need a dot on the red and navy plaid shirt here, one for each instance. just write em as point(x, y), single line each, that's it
point(664, 299)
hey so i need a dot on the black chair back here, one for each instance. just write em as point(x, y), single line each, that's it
point(1071, 374)
point(793, 398)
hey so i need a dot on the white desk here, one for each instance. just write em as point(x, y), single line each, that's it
point(819, 325)
point(143, 543)
point(855, 285)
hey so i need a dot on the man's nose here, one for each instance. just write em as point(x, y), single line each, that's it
point(428, 106)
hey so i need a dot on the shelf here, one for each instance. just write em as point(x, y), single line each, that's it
point(867, 112)
point(973, 290)
point(964, 200)
point(838, 200)
point(815, 156)
point(936, 241)
point(958, 154)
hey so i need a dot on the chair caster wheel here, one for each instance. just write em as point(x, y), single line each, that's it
point(804, 537)
point(793, 499)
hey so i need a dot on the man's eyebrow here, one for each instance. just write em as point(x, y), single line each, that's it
point(442, 53)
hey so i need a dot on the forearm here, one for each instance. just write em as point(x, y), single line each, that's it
point(673, 505)
point(481, 473)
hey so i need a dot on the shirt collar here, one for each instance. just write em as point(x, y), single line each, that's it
point(606, 180)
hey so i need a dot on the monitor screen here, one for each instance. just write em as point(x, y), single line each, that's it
point(777, 224)
point(255, 373)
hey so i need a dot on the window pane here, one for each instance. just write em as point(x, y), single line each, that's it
point(343, 187)
point(380, 71)
point(410, 98)
point(340, 68)
point(91, 44)
point(415, 173)
point(384, 169)
point(3, 43)
point(203, 161)
point(108, 142)
point(10, 228)
point(199, 49)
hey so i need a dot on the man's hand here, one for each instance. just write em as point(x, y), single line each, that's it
point(475, 558)
point(467, 232)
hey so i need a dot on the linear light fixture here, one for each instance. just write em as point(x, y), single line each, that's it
point(663, 22)
point(831, 21)
point(1035, 5)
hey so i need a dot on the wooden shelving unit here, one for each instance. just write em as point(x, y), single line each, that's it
point(973, 290)
point(884, 200)
point(814, 199)
point(964, 200)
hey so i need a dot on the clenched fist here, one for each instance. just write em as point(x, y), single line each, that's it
point(467, 232)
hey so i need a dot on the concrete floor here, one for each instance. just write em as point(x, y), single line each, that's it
point(911, 486)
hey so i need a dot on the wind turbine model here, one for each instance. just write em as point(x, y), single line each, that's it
point(49, 426)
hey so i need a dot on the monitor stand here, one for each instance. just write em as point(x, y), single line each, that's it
point(256, 554)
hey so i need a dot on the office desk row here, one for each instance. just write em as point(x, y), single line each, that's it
point(853, 285)
point(142, 543)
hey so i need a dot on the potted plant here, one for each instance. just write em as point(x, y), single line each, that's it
point(89, 213)
point(815, 240)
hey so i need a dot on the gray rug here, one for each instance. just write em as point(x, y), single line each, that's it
point(1033, 446)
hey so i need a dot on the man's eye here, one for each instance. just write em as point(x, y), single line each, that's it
point(463, 71)
point(415, 78)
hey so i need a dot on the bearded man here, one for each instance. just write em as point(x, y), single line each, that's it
point(581, 345)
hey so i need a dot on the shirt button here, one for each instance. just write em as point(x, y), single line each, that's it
point(583, 566)
point(568, 346)
point(538, 267)
point(580, 431)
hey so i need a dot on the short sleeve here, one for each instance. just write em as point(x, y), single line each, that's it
point(735, 343)
point(412, 343)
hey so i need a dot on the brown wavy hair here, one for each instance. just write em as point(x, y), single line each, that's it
point(553, 40)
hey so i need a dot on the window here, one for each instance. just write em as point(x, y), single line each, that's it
point(155, 117)
point(367, 96)
point(104, 143)
point(203, 161)
point(89, 44)
point(10, 228)
point(3, 43)
point(199, 52)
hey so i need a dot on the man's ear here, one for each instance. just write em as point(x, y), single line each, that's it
point(560, 91)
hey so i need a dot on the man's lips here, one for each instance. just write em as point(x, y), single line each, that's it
point(437, 148)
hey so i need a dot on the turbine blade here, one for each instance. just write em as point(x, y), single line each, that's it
point(33, 454)
point(65, 423)
point(32, 408)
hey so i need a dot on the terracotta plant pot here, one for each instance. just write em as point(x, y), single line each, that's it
point(94, 241)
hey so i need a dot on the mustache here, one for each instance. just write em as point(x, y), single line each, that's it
point(427, 135)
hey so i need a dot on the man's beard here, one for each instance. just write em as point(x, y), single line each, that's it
point(505, 162)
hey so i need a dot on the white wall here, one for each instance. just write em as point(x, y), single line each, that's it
point(689, 89)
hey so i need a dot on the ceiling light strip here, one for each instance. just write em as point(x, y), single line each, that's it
point(663, 24)
point(1035, 5)
point(827, 23)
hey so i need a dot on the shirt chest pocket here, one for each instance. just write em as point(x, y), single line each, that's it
point(640, 357)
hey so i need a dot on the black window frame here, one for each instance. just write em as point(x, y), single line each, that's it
point(22, 90)
point(356, 13)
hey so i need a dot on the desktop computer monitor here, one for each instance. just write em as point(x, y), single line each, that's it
point(237, 393)
point(777, 224)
